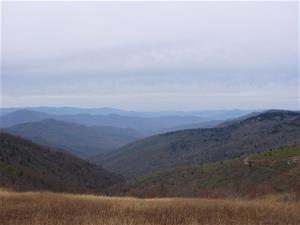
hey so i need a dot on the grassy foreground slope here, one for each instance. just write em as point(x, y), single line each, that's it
point(46, 208)
point(27, 166)
point(268, 130)
point(270, 172)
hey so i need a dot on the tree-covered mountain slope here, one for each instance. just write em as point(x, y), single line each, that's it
point(28, 166)
point(271, 172)
point(268, 130)
point(78, 139)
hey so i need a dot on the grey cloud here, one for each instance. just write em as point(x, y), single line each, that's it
point(103, 51)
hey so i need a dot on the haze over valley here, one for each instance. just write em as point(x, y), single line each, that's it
point(150, 113)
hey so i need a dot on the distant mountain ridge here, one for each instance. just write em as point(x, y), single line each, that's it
point(145, 125)
point(271, 129)
point(78, 139)
point(209, 114)
point(22, 116)
point(28, 166)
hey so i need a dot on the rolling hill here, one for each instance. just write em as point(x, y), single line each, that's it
point(144, 125)
point(78, 139)
point(22, 116)
point(209, 114)
point(265, 173)
point(268, 130)
point(27, 166)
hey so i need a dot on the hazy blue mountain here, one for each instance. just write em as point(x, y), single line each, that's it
point(80, 140)
point(66, 110)
point(22, 116)
point(145, 125)
point(207, 114)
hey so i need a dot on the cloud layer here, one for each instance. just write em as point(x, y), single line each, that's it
point(152, 56)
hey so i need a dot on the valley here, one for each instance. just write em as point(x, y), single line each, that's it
point(80, 140)
point(149, 112)
point(241, 171)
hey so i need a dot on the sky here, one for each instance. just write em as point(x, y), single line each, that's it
point(150, 55)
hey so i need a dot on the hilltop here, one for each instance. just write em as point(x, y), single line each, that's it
point(21, 116)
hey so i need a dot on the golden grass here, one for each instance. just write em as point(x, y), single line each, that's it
point(44, 208)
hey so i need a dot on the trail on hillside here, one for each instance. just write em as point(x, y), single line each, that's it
point(253, 164)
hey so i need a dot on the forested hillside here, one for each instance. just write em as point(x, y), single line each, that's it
point(268, 130)
point(27, 166)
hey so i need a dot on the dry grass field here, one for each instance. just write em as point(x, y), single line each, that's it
point(44, 208)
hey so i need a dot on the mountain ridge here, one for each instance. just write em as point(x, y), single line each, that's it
point(78, 139)
point(145, 125)
point(258, 133)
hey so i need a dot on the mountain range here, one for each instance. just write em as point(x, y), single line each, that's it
point(268, 130)
point(209, 114)
point(80, 140)
point(145, 125)
point(256, 154)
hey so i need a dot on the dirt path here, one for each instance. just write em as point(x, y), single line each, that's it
point(247, 163)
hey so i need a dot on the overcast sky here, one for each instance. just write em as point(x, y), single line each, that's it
point(150, 56)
